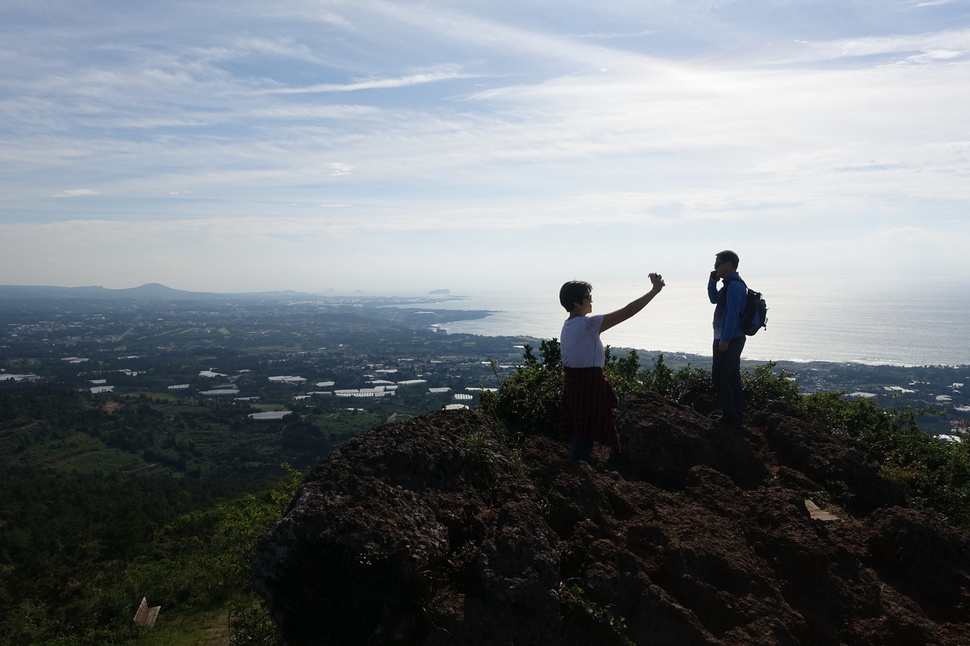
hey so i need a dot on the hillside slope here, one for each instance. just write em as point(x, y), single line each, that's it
point(433, 531)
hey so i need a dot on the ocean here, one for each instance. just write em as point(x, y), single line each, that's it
point(879, 322)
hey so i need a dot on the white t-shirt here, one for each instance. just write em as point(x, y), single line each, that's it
point(579, 342)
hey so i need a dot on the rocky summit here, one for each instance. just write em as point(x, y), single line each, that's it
point(435, 531)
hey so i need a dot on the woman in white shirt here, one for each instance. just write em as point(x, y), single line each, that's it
point(588, 398)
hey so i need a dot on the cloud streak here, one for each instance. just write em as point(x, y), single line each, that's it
point(375, 83)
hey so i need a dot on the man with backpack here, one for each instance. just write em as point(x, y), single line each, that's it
point(729, 337)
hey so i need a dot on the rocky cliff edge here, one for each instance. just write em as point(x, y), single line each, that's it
point(434, 531)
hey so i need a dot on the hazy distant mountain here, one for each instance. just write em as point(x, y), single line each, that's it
point(155, 291)
point(147, 292)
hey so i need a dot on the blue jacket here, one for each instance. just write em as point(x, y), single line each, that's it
point(727, 313)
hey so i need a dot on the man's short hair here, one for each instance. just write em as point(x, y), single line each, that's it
point(729, 256)
point(574, 292)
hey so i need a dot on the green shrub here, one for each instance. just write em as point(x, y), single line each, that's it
point(935, 476)
point(623, 371)
point(530, 400)
point(764, 386)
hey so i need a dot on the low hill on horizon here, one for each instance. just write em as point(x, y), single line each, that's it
point(146, 292)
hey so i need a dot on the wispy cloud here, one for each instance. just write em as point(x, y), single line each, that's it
point(923, 47)
point(429, 127)
point(935, 3)
point(77, 192)
point(418, 78)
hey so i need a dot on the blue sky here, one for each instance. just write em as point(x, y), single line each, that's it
point(397, 147)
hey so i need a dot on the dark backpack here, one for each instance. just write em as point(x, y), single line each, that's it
point(754, 316)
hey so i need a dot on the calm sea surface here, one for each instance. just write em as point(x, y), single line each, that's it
point(842, 320)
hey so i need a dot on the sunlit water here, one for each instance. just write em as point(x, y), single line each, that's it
point(842, 320)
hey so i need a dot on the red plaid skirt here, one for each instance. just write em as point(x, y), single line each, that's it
point(588, 401)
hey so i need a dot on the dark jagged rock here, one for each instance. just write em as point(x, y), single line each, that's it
point(824, 460)
point(663, 441)
point(433, 531)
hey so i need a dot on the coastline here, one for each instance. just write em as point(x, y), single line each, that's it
point(831, 320)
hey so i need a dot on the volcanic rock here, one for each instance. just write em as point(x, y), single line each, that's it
point(434, 531)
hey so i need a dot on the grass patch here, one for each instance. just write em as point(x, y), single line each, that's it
point(96, 461)
point(210, 628)
point(56, 452)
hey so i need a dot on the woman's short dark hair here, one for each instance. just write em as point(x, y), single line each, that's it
point(729, 256)
point(574, 292)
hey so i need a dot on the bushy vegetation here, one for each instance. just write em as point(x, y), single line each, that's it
point(529, 401)
point(105, 500)
point(78, 552)
point(934, 475)
point(46, 427)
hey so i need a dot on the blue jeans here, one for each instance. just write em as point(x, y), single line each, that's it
point(582, 449)
point(726, 374)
